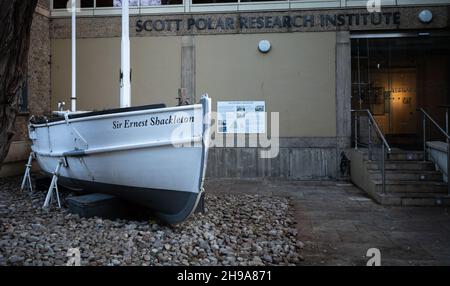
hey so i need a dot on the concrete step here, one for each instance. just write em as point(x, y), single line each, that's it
point(409, 180)
point(414, 199)
point(402, 165)
point(411, 187)
point(407, 175)
point(401, 156)
point(406, 156)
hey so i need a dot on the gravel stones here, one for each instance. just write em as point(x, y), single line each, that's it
point(236, 229)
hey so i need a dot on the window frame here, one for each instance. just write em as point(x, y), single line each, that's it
point(23, 104)
point(188, 7)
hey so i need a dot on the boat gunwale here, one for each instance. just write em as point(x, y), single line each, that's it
point(117, 114)
point(85, 152)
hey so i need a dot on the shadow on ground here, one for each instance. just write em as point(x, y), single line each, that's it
point(338, 223)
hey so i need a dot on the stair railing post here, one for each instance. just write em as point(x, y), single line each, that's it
point(356, 130)
point(447, 125)
point(424, 126)
point(370, 137)
point(448, 166)
point(383, 178)
point(446, 120)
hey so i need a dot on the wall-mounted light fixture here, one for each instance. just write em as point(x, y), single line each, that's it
point(264, 46)
point(425, 16)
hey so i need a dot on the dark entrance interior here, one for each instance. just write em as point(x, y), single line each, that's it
point(394, 74)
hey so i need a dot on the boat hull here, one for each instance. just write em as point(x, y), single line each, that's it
point(155, 158)
point(178, 210)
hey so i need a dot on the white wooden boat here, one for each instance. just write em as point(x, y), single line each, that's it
point(151, 155)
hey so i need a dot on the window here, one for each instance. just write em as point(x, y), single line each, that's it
point(136, 3)
point(23, 97)
point(261, 0)
point(63, 4)
point(229, 1)
point(213, 1)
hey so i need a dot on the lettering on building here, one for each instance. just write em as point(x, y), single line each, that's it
point(267, 22)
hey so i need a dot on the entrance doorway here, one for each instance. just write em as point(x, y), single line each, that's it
point(394, 74)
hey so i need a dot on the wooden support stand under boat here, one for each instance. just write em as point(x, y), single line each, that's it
point(27, 176)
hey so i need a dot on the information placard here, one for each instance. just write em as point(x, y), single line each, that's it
point(241, 117)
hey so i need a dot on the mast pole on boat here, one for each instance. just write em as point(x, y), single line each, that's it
point(125, 82)
point(74, 60)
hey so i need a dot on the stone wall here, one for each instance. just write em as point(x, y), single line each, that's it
point(38, 90)
point(39, 61)
point(298, 159)
point(38, 74)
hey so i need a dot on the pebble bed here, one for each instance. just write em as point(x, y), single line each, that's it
point(236, 229)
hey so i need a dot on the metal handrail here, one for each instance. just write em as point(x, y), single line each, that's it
point(380, 134)
point(384, 146)
point(434, 122)
point(446, 133)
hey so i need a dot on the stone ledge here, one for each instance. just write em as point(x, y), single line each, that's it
point(297, 142)
point(438, 145)
point(18, 151)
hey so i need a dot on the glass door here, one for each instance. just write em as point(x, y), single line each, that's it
point(392, 76)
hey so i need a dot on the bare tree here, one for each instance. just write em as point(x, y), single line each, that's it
point(16, 17)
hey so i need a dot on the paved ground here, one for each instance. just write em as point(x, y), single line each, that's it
point(338, 224)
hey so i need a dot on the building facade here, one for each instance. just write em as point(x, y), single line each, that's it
point(326, 58)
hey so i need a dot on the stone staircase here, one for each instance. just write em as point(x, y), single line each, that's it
point(409, 180)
